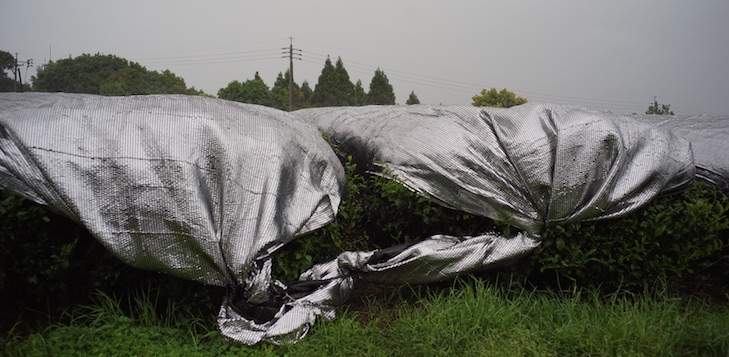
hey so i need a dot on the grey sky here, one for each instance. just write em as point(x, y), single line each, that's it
point(611, 55)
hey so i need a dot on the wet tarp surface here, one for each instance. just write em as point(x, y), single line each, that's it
point(208, 190)
point(533, 165)
point(198, 188)
point(194, 187)
point(709, 138)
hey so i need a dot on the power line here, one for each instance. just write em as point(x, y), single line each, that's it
point(473, 88)
point(208, 49)
point(441, 69)
point(204, 56)
point(213, 55)
point(216, 58)
point(612, 103)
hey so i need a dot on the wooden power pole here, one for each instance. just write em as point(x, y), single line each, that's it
point(291, 56)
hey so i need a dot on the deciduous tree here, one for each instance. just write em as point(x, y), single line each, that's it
point(168, 82)
point(7, 78)
point(128, 80)
point(106, 75)
point(497, 99)
point(7, 62)
point(663, 109)
point(252, 91)
point(83, 74)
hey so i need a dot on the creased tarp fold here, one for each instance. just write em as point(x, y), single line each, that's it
point(708, 136)
point(532, 166)
point(190, 186)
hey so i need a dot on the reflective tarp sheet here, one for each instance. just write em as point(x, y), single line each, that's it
point(207, 190)
point(194, 187)
point(709, 138)
point(533, 165)
point(199, 188)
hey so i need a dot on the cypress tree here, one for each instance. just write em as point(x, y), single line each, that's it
point(412, 99)
point(381, 92)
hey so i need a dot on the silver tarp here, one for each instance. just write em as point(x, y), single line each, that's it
point(709, 138)
point(198, 188)
point(532, 166)
point(208, 190)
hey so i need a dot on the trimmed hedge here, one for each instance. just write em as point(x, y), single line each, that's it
point(679, 241)
point(49, 263)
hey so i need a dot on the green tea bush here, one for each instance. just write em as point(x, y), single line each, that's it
point(42, 255)
point(49, 262)
point(680, 239)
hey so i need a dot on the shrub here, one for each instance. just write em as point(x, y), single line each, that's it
point(44, 255)
point(49, 262)
point(675, 239)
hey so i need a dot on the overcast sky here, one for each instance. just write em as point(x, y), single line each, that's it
point(609, 55)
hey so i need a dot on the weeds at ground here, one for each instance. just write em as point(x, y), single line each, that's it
point(468, 317)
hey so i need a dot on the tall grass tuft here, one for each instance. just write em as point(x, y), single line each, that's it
point(485, 321)
point(470, 318)
point(131, 326)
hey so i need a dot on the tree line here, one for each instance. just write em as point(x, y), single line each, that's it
point(333, 89)
point(106, 75)
point(7, 84)
point(112, 75)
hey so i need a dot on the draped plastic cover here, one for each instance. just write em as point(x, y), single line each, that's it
point(709, 138)
point(533, 165)
point(198, 188)
point(207, 189)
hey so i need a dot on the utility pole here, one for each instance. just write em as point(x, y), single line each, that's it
point(15, 72)
point(18, 77)
point(291, 56)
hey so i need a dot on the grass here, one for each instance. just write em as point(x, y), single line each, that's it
point(471, 319)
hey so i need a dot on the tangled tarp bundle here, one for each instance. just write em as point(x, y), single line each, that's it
point(208, 190)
